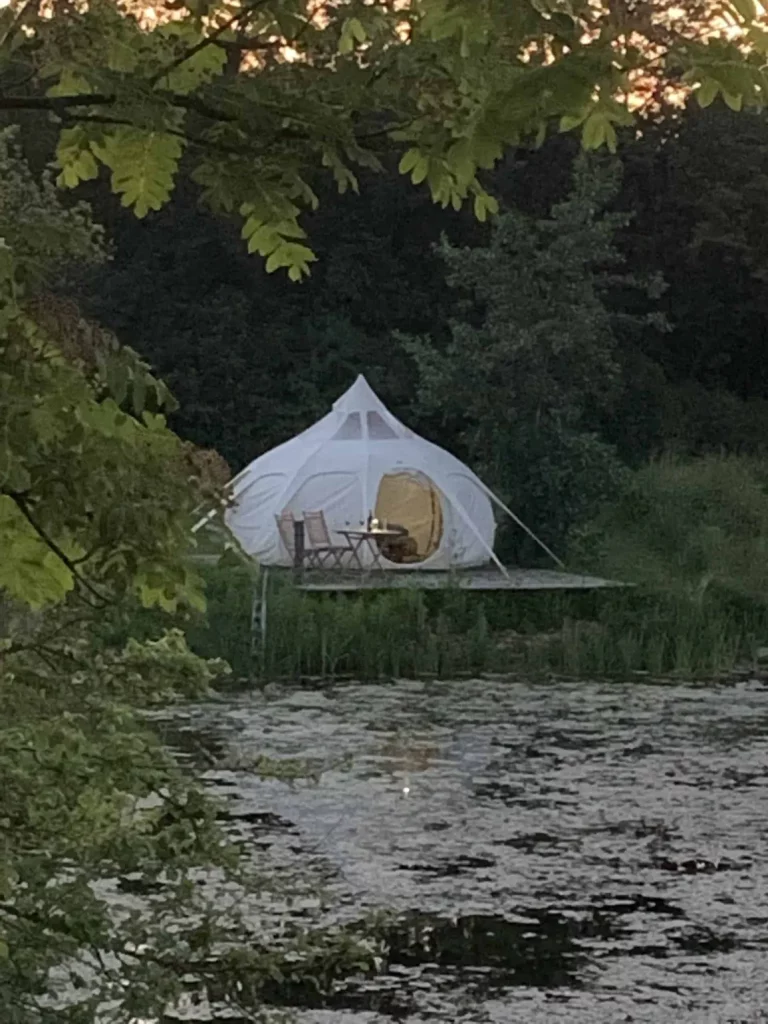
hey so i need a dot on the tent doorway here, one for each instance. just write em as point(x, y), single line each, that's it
point(410, 499)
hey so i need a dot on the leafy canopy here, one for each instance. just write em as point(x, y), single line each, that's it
point(96, 493)
point(252, 98)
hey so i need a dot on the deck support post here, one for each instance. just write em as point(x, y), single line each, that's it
point(259, 603)
point(299, 544)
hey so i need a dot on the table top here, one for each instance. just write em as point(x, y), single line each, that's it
point(370, 533)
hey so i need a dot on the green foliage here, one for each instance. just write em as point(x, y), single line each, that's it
point(81, 501)
point(262, 96)
point(97, 497)
point(141, 667)
point(546, 342)
point(226, 625)
point(143, 166)
point(687, 527)
point(698, 420)
point(274, 239)
point(90, 796)
point(31, 570)
point(96, 494)
point(372, 637)
point(202, 66)
point(117, 885)
point(42, 234)
point(700, 227)
point(534, 356)
point(557, 480)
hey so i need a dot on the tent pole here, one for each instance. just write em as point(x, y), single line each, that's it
point(468, 522)
point(521, 524)
point(264, 596)
point(259, 617)
point(236, 495)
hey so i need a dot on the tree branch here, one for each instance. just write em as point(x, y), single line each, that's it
point(15, 25)
point(201, 107)
point(55, 103)
point(250, 44)
point(43, 641)
point(62, 104)
point(21, 503)
point(117, 122)
point(67, 108)
point(210, 40)
point(192, 140)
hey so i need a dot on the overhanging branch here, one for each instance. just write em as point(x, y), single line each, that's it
point(54, 104)
point(30, 7)
point(210, 40)
point(22, 505)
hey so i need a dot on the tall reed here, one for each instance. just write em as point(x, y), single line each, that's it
point(453, 633)
point(370, 635)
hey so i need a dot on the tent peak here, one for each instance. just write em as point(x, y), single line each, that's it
point(360, 397)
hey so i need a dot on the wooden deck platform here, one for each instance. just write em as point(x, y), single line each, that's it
point(469, 579)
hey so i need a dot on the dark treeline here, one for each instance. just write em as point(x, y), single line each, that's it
point(618, 309)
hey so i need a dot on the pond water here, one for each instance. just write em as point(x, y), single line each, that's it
point(592, 853)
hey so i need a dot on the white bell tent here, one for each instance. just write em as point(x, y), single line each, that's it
point(360, 460)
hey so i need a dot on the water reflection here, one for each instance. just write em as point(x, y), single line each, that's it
point(540, 950)
point(403, 757)
point(584, 853)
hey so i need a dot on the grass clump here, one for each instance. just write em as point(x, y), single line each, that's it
point(686, 528)
point(659, 635)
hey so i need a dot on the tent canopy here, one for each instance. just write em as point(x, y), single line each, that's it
point(360, 460)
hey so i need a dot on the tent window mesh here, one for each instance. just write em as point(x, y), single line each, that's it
point(378, 428)
point(351, 429)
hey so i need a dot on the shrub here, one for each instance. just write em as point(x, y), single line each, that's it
point(691, 527)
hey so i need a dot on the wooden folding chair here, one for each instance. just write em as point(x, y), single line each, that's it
point(285, 528)
point(286, 525)
point(320, 543)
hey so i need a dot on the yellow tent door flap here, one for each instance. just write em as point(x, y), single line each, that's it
point(411, 500)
